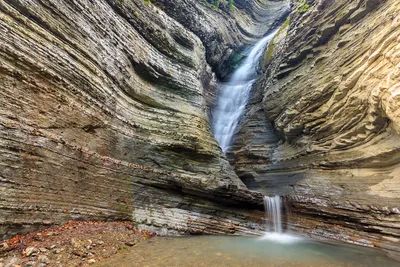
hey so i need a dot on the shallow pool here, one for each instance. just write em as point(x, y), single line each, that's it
point(270, 250)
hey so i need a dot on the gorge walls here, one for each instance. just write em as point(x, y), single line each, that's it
point(322, 127)
point(103, 112)
point(105, 105)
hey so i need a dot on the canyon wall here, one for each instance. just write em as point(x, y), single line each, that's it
point(103, 112)
point(323, 125)
point(104, 115)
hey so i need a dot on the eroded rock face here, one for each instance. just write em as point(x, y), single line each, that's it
point(225, 33)
point(323, 124)
point(103, 110)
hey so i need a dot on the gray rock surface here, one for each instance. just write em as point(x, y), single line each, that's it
point(323, 125)
point(104, 116)
point(103, 100)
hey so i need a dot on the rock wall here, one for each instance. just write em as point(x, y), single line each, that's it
point(322, 127)
point(104, 116)
point(103, 109)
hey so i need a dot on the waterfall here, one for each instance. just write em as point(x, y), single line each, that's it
point(273, 212)
point(235, 94)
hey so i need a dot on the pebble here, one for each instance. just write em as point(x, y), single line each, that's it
point(11, 262)
point(91, 255)
point(78, 253)
point(100, 242)
point(58, 251)
point(44, 259)
point(131, 243)
point(4, 245)
point(74, 243)
point(43, 250)
point(30, 264)
point(31, 251)
point(91, 261)
point(47, 222)
point(38, 238)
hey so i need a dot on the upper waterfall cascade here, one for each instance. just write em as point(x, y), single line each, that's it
point(234, 95)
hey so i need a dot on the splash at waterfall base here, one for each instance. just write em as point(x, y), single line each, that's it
point(273, 217)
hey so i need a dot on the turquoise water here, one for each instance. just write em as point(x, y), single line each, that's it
point(305, 252)
point(283, 251)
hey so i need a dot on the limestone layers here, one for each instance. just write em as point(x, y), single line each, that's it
point(323, 124)
point(103, 112)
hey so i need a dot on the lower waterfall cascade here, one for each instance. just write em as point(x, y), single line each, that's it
point(273, 217)
point(273, 212)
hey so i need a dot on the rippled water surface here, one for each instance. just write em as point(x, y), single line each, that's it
point(270, 250)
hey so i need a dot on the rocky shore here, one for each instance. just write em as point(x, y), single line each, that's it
point(73, 244)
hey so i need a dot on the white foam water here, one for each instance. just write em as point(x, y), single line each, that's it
point(273, 212)
point(272, 207)
point(234, 95)
point(282, 238)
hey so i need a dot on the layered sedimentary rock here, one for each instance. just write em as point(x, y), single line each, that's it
point(323, 124)
point(104, 104)
point(103, 112)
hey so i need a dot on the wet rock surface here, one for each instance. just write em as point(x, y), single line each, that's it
point(104, 116)
point(322, 125)
point(104, 99)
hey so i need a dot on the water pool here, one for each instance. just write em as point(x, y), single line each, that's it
point(271, 251)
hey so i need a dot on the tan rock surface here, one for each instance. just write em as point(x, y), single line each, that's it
point(323, 125)
point(102, 99)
